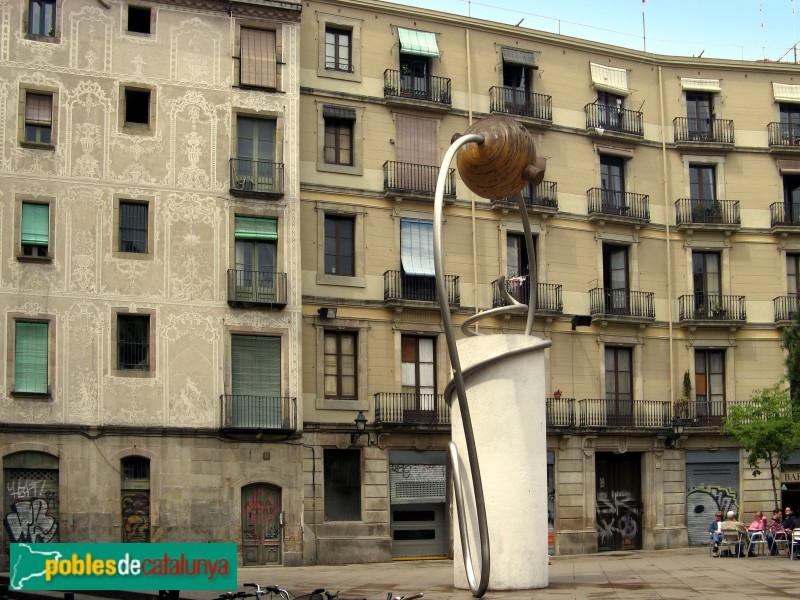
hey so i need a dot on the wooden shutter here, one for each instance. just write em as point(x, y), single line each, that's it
point(30, 357)
point(417, 140)
point(258, 58)
point(35, 224)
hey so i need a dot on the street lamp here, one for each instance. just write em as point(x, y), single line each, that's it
point(677, 432)
point(361, 429)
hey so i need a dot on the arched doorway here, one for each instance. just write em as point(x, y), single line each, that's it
point(261, 524)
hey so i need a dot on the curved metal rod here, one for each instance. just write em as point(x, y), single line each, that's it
point(478, 587)
point(533, 288)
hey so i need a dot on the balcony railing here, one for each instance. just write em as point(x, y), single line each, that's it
point(621, 302)
point(712, 413)
point(785, 308)
point(411, 409)
point(256, 287)
point(544, 195)
point(695, 211)
point(622, 204)
point(256, 178)
point(408, 179)
point(612, 119)
point(548, 298)
point(711, 307)
point(703, 131)
point(560, 412)
point(602, 412)
point(513, 101)
point(784, 214)
point(271, 413)
point(397, 285)
point(427, 88)
point(784, 134)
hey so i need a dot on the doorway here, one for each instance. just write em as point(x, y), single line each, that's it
point(261, 524)
point(618, 480)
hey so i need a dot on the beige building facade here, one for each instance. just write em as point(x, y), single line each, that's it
point(667, 248)
point(149, 285)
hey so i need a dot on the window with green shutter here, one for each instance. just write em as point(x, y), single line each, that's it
point(35, 229)
point(30, 357)
point(256, 381)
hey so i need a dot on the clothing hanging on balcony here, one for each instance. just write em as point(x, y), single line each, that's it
point(416, 247)
point(419, 43)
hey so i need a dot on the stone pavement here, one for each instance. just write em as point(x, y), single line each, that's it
point(683, 574)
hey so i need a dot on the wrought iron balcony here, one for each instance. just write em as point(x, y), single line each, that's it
point(620, 206)
point(691, 212)
point(784, 214)
point(548, 298)
point(415, 181)
point(402, 408)
point(264, 413)
point(603, 412)
point(256, 178)
point(785, 135)
point(621, 302)
point(560, 412)
point(711, 413)
point(398, 287)
point(409, 87)
point(609, 119)
point(247, 287)
point(712, 308)
point(785, 308)
point(691, 130)
point(513, 101)
point(537, 198)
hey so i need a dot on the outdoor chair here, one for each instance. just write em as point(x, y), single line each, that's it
point(795, 543)
point(757, 543)
point(779, 539)
point(733, 542)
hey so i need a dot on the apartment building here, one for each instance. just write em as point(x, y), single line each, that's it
point(149, 274)
point(667, 235)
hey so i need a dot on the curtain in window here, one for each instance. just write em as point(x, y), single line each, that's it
point(417, 140)
point(38, 109)
point(258, 58)
point(416, 247)
point(256, 381)
point(30, 357)
point(35, 224)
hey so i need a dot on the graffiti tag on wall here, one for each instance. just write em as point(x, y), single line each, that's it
point(28, 521)
point(135, 517)
point(617, 512)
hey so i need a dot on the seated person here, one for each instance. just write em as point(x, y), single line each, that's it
point(715, 529)
point(789, 524)
point(775, 530)
point(759, 524)
point(732, 525)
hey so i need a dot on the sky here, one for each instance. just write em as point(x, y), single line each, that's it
point(734, 29)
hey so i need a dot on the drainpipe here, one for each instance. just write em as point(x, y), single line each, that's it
point(667, 238)
point(472, 202)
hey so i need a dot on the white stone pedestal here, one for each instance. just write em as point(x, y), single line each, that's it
point(507, 408)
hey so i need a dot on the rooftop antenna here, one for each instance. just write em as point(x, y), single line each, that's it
point(761, 10)
point(644, 29)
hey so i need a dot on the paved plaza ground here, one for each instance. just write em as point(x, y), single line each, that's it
point(684, 574)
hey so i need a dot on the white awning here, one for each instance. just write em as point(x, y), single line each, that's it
point(420, 43)
point(416, 247)
point(700, 85)
point(786, 92)
point(610, 79)
point(515, 56)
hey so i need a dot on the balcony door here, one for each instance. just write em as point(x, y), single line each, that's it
point(256, 259)
point(517, 267)
point(612, 184)
point(619, 386)
point(418, 378)
point(609, 110)
point(791, 199)
point(615, 279)
point(516, 87)
point(256, 381)
point(792, 284)
point(699, 115)
point(790, 123)
point(707, 283)
point(416, 141)
point(255, 154)
point(709, 386)
point(414, 76)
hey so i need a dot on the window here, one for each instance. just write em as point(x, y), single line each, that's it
point(135, 495)
point(340, 364)
point(139, 19)
point(258, 58)
point(416, 50)
point(35, 230)
point(256, 381)
point(342, 481)
point(702, 183)
point(416, 257)
point(417, 151)
point(337, 49)
point(707, 282)
point(612, 184)
point(38, 118)
point(517, 85)
point(418, 372)
point(619, 386)
point(517, 266)
point(255, 254)
point(133, 342)
point(609, 110)
point(699, 115)
point(338, 149)
point(709, 383)
point(133, 225)
point(339, 245)
point(31, 361)
point(137, 107)
point(791, 198)
point(255, 154)
point(615, 278)
point(42, 18)
point(793, 274)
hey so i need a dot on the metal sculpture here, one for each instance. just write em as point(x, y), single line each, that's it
point(496, 159)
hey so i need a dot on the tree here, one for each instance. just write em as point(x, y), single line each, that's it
point(766, 429)
point(791, 341)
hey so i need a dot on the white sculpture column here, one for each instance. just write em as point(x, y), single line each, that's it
point(507, 410)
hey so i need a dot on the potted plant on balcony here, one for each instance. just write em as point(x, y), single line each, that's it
point(682, 401)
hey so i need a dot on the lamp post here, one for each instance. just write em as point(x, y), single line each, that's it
point(361, 429)
point(677, 431)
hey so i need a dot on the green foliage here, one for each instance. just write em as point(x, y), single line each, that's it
point(791, 341)
point(766, 428)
